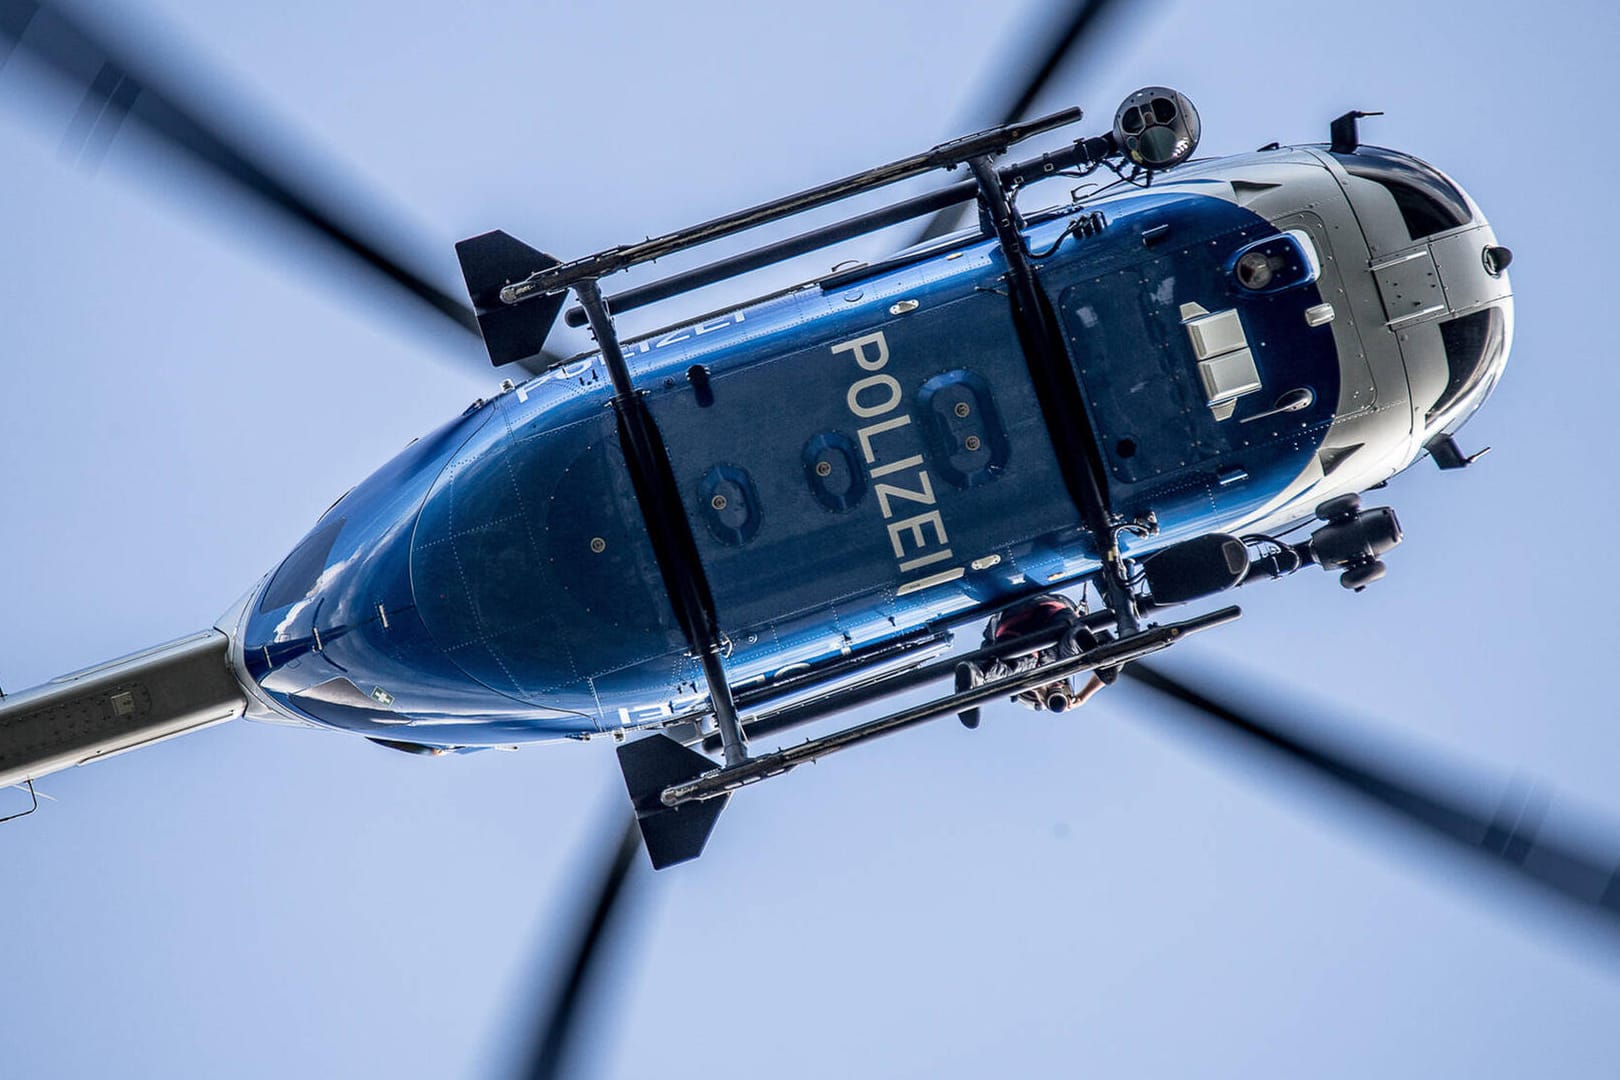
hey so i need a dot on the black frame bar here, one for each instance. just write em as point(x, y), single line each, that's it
point(777, 718)
point(774, 720)
point(947, 155)
point(1057, 389)
point(1083, 153)
point(674, 546)
point(749, 261)
point(763, 690)
point(724, 781)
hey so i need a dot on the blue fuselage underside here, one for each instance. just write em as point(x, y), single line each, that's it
point(854, 462)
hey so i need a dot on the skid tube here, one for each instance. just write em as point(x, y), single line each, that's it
point(769, 721)
point(723, 781)
point(551, 279)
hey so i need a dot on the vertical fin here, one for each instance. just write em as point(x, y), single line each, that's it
point(652, 764)
point(512, 332)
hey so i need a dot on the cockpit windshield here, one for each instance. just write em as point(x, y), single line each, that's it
point(1428, 202)
point(1474, 344)
point(301, 571)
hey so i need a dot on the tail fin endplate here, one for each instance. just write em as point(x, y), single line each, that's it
point(512, 332)
point(673, 835)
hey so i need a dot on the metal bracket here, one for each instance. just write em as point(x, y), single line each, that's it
point(1057, 389)
point(1448, 455)
point(1344, 134)
point(670, 532)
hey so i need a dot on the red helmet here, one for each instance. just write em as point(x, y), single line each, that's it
point(1035, 614)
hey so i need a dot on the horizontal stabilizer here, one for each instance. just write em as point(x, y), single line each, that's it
point(673, 835)
point(512, 332)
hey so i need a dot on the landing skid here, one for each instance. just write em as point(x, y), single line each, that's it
point(678, 793)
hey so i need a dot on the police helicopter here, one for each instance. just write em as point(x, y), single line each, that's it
point(773, 513)
point(781, 508)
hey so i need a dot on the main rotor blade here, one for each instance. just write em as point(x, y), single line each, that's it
point(1507, 839)
point(117, 88)
point(558, 1028)
point(1026, 80)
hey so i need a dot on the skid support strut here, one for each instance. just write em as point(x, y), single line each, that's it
point(1058, 391)
point(667, 527)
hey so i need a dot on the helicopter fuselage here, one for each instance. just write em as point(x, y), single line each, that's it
point(866, 455)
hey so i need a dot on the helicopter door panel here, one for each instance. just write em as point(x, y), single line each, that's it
point(870, 465)
point(1190, 377)
point(1139, 370)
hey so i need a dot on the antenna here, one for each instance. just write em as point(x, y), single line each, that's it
point(32, 794)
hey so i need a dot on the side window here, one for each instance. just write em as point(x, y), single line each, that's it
point(1472, 342)
point(1427, 201)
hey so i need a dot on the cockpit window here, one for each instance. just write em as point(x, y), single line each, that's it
point(1473, 344)
point(296, 577)
point(1427, 201)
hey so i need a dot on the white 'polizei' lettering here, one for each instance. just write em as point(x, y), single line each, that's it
point(914, 525)
point(858, 347)
point(885, 384)
point(921, 540)
point(897, 466)
point(924, 494)
point(864, 436)
point(560, 372)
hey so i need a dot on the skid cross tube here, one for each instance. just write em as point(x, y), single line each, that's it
point(673, 544)
point(1057, 389)
point(724, 781)
point(946, 155)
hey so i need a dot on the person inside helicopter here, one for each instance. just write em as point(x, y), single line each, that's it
point(1048, 611)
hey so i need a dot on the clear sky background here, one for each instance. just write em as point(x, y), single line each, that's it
point(183, 391)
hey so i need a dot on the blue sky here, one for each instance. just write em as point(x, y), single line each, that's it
point(183, 391)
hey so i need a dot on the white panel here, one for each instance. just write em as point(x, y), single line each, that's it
point(1410, 287)
point(1215, 334)
point(1229, 376)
